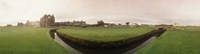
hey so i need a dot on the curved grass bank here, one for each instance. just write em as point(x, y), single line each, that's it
point(102, 34)
point(23, 40)
point(107, 47)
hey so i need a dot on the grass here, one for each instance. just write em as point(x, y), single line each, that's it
point(105, 34)
point(16, 40)
point(175, 42)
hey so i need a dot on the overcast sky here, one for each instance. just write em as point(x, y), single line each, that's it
point(183, 12)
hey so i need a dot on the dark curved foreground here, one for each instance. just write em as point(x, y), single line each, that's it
point(112, 47)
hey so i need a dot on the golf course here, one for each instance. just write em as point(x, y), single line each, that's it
point(102, 34)
point(24, 40)
point(99, 26)
point(29, 40)
point(107, 40)
point(185, 41)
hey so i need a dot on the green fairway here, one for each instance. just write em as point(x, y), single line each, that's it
point(15, 40)
point(175, 42)
point(105, 34)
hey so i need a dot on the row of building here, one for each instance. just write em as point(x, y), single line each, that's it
point(29, 24)
point(49, 21)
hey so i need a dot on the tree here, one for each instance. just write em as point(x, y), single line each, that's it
point(100, 23)
point(127, 23)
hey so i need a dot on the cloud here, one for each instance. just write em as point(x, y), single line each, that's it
point(2, 3)
point(140, 11)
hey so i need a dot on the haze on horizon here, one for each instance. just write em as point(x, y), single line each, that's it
point(183, 12)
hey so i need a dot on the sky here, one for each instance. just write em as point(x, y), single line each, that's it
point(183, 12)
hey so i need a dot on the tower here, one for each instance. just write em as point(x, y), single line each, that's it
point(47, 20)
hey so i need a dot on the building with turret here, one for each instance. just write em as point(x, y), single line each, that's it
point(47, 20)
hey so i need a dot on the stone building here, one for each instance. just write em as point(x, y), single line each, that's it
point(9, 25)
point(20, 24)
point(47, 20)
point(29, 24)
point(78, 23)
point(68, 23)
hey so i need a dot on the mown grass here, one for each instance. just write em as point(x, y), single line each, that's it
point(22, 40)
point(175, 42)
point(105, 34)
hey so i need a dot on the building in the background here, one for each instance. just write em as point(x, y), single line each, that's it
point(68, 23)
point(20, 24)
point(78, 23)
point(110, 25)
point(29, 24)
point(47, 20)
point(165, 26)
point(9, 25)
point(35, 24)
